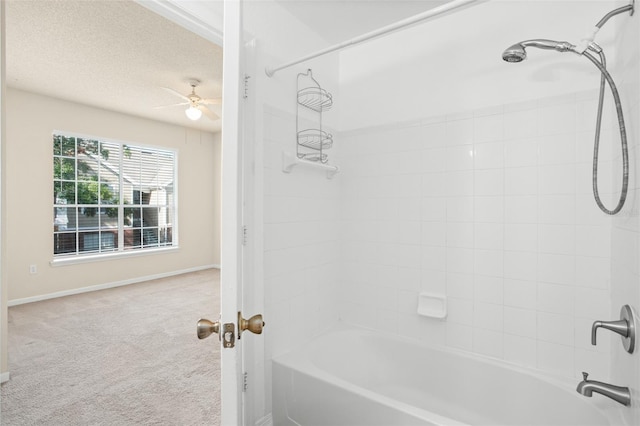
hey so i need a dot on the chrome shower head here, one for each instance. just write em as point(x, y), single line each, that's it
point(517, 52)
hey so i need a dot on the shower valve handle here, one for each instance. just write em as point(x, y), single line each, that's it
point(621, 327)
point(625, 327)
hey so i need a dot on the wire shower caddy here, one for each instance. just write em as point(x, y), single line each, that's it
point(312, 141)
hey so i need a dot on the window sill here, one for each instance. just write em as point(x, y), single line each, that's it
point(88, 258)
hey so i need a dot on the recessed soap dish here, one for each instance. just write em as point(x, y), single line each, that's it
point(432, 305)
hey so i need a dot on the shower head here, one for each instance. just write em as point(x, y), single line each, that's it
point(517, 52)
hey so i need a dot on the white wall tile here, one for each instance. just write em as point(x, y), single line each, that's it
point(434, 135)
point(434, 209)
point(459, 157)
point(460, 234)
point(489, 262)
point(459, 209)
point(557, 209)
point(521, 209)
point(557, 149)
point(489, 289)
point(558, 119)
point(386, 298)
point(521, 153)
point(460, 183)
point(434, 184)
point(433, 281)
point(488, 128)
point(520, 294)
point(520, 322)
point(460, 260)
point(521, 181)
point(594, 272)
point(520, 265)
point(460, 311)
point(555, 359)
point(557, 179)
point(459, 336)
point(489, 236)
point(460, 285)
point(521, 124)
point(489, 209)
point(489, 155)
point(489, 182)
point(459, 132)
point(593, 241)
point(556, 298)
point(433, 160)
point(434, 258)
point(555, 268)
point(520, 350)
point(488, 316)
point(521, 237)
point(434, 234)
point(593, 303)
point(488, 342)
point(557, 239)
point(556, 328)
point(405, 278)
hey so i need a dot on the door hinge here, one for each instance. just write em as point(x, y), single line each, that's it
point(245, 236)
point(245, 381)
point(246, 86)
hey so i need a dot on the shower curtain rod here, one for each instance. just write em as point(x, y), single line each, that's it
point(447, 7)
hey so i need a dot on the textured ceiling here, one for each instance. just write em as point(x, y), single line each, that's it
point(109, 54)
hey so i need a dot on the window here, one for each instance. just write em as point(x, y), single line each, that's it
point(111, 197)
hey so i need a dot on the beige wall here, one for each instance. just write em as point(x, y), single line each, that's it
point(31, 119)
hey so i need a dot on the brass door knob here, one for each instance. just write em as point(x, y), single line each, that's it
point(253, 324)
point(206, 328)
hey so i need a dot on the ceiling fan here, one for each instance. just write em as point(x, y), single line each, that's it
point(197, 105)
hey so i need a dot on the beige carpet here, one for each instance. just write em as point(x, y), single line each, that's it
point(123, 356)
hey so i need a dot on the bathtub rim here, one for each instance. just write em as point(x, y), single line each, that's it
point(292, 360)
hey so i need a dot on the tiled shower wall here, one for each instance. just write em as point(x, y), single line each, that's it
point(301, 241)
point(492, 208)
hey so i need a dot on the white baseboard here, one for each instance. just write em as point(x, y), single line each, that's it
point(265, 421)
point(105, 286)
point(4, 377)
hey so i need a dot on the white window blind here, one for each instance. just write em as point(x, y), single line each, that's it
point(111, 196)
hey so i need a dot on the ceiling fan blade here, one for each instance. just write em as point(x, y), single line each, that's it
point(173, 92)
point(210, 114)
point(171, 105)
point(216, 101)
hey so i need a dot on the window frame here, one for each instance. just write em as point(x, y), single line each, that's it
point(121, 249)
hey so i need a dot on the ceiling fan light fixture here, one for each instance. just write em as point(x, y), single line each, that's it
point(193, 113)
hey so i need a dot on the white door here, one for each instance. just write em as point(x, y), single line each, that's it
point(238, 229)
point(231, 244)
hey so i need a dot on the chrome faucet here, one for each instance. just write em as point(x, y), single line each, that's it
point(617, 393)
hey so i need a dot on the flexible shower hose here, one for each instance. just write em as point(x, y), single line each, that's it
point(623, 134)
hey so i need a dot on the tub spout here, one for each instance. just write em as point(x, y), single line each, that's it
point(617, 393)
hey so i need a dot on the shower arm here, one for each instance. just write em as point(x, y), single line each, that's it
point(615, 12)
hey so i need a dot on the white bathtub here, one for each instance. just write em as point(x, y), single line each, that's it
point(357, 377)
